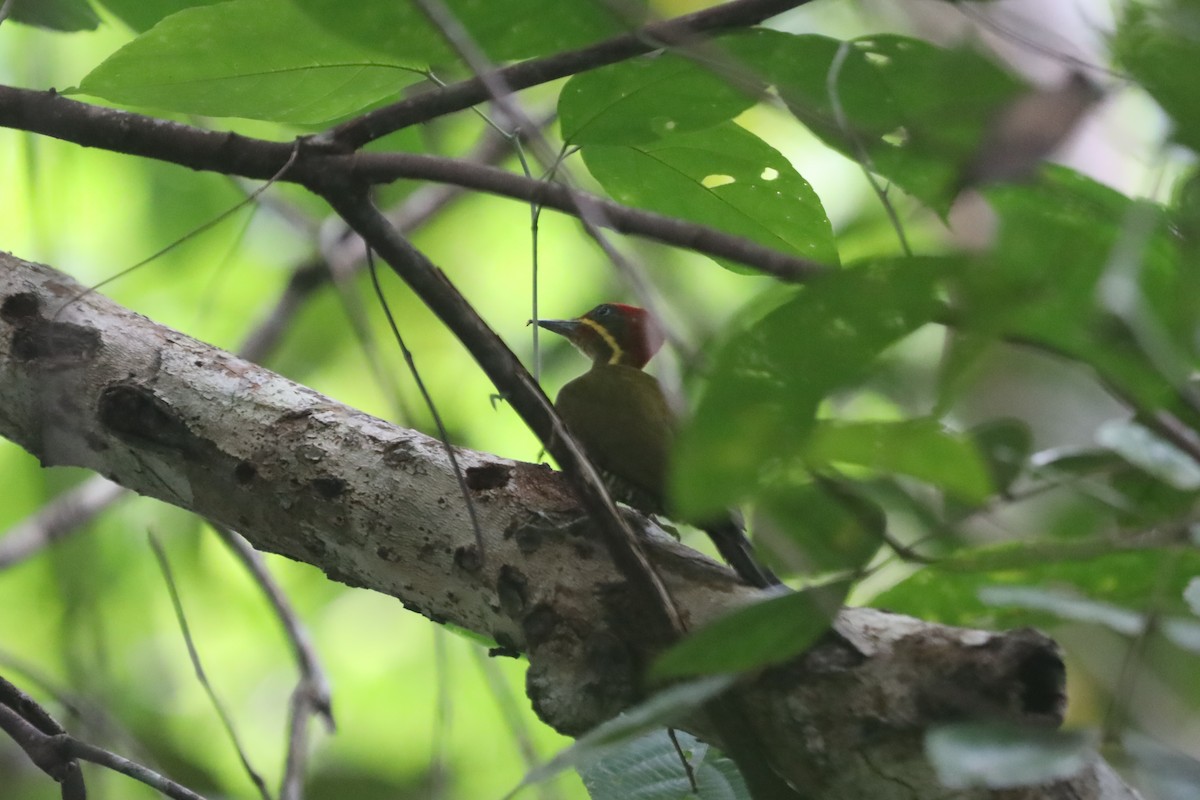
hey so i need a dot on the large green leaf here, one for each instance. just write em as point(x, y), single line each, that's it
point(920, 448)
point(948, 591)
point(505, 29)
point(725, 177)
point(755, 419)
point(261, 59)
point(646, 98)
point(142, 15)
point(1154, 43)
point(55, 15)
point(831, 526)
point(1082, 270)
point(898, 109)
point(766, 632)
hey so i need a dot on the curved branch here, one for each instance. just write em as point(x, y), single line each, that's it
point(126, 132)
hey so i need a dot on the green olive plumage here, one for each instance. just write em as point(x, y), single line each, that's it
point(621, 417)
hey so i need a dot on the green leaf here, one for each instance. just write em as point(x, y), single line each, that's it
point(1165, 773)
point(664, 708)
point(921, 448)
point(644, 99)
point(1159, 458)
point(1191, 595)
point(1002, 756)
point(505, 29)
point(1006, 445)
point(260, 59)
point(755, 418)
point(1065, 605)
point(648, 768)
point(142, 15)
point(1184, 633)
point(725, 177)
point(55, 15)
point(949, 591)
point(1153, 43)
point(917, 129)
point(1068, 252)
point(766, 632)
point(833, 526)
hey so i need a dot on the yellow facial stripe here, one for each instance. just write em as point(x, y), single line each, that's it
point(607, 337)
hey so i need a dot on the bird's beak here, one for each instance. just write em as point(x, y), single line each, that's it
point(563, 327)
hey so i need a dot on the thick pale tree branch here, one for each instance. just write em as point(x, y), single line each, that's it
point(377, 506)
point(119, 131)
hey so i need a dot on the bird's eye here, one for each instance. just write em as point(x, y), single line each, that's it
point(603, 311)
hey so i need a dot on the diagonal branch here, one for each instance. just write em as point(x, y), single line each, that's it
point(522, 392)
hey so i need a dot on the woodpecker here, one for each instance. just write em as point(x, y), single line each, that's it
point(621, 417)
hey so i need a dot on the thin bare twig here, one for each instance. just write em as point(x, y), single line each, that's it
point(57, 753)
point(165, 566)
point(98, 755)
point(58, 519)
point(525, 396)
point(443, 434)
point(312, 694)
point(862, 155)
point(512, 715)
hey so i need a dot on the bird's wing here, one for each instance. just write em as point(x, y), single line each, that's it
point(622, 419)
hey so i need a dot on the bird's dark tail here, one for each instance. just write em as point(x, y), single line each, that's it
point(735, 548)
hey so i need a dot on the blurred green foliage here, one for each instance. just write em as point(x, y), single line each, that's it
point(927, 430)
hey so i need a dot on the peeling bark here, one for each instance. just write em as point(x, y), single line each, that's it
point(94, 385)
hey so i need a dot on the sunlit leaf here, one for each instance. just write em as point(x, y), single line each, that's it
point(767, 632)
point(260, 59)
point(1001, 756)
point(649, 768)
point(725, 177)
